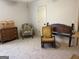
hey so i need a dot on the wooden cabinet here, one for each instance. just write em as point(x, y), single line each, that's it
point(7, 34)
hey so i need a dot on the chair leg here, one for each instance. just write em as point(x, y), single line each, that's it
point(70, 39)
point(54, 43)
point(32, 36)
point(77, 42)
point(42, 45)
point(22, 37)
point(2, 42)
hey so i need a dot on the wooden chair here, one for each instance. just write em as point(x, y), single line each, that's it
point(76, 36)
point(47, 36)
point(75, 57)
point(27, 30)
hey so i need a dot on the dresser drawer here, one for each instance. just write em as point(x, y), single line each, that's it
point(8, 34)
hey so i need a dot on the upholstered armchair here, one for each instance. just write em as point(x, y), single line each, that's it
point(27, 30)
point(47, 36)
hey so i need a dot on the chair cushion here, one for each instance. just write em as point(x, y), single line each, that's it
point(27, 33)
point(47, 39)
point(27, 28)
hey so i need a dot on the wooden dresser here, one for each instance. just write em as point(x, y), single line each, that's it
point(7, 34)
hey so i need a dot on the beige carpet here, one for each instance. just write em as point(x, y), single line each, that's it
point(31, 49)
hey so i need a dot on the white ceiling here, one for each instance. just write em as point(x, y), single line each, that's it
point(24, 0)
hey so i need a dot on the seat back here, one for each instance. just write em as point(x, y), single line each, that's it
point(26, 27)
point(46, 32)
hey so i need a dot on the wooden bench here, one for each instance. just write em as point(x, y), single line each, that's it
point(64, 30)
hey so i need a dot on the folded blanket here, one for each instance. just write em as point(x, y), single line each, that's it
point(7, 24)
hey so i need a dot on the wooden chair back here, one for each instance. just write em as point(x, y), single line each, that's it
point(47, 32)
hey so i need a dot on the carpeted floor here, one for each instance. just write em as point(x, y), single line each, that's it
point(31, 49)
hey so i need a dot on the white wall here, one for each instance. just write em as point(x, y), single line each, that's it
point(78, 14)
point(18, 11)
point(59, 11)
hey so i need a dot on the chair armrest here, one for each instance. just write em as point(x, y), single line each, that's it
point(32, 29)
point(41, 36)
point(53, 35)
point(21, 32)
